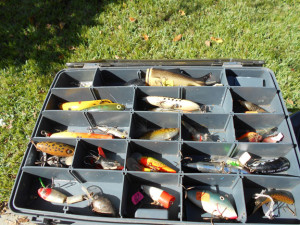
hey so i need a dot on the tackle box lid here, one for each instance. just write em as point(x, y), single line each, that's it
point(167, 62)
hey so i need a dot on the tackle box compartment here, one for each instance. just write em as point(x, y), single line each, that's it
point(220, 114)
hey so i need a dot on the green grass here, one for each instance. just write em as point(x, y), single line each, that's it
point(39, 37)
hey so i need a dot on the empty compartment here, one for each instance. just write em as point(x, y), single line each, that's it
point(265, 98)
point(250, 77)
point(141, 104)
point(133, 183)
point(145, 122)
point(106, 183)
point(217, 74)
point(59, 121)
point(207, 127)
point(271, 152)
point(87, 154)
point(210, 99)
point(226, 185)
point(27, 199)
point(109, 122)
point(192, 152)
point(116, 76)
point(256, 184)
point(75, 78)
point(165, 152)
point(35, 157)
point(59, 96)
point(261, 124)
point(121, 95)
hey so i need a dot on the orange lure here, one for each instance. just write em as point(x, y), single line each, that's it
point(67, 134)
point(153, 163)
point(251, 137)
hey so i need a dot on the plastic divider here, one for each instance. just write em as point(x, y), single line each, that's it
point(270, 151)
point(220, 126)
point(254, 184)
point(144, 122)
point(249, 77)
point(167, 152)
point(229, 185)
point(121, 95)
point(113, 149)
point(140, 103)
point(166, 182)
point(266, 98)
point(216, 99)
point(73, 77)
point(244, 123)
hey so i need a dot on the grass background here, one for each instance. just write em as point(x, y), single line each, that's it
point(37, 38)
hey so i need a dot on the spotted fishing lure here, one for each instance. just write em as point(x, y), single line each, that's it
point(54, 148)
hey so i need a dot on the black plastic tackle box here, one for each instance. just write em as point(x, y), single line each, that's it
point(222, 117)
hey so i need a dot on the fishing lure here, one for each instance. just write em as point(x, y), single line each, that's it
point(101, 161)
point(250, 137)
point(133, 165)
point(54, 196)
point(274, 138)
point(106, 107)
point(212, 202)
point(172, 103)
point(161, 134)
point(55, 161)
point(252, 107)
point(54, 148)
point(159, 196)
point(152, 163)
point(200, 134)
point(273, 195)
point(158, 77)
point(83, 104)
point(275, 165)
point(68, 134)
point(113, 131)
point(214, 167)
point(135, 82)
point(103, 205)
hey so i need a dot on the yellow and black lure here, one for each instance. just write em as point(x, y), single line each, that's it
point(55, 148)
point(77, 106)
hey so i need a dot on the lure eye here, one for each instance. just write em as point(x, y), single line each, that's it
point(69, 151)
point(222, 198)
point(118, 106)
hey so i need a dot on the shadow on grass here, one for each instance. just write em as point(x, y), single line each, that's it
point(45, 31)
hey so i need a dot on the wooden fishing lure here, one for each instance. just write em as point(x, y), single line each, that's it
point(212, 202)
point(82, 104)
point(158, 77)
point(67, 134)
point(172, 103)
point(159, 196)
point(102, 205)
point(161, 134)
point(113, 131)
point(106, 107)
point(275, 165)
point(252, 107)
point(55, 148)
point(250, 137)
point(276, 195)
point(152, 163)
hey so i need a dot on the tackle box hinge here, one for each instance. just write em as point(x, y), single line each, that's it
point(232, 64)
